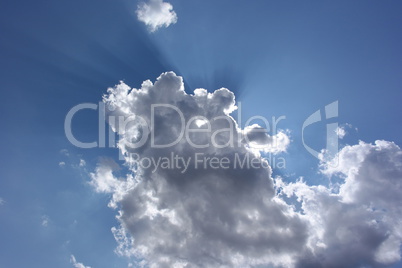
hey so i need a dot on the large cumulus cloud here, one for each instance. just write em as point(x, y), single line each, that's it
point(231, 216)
point(205, 216)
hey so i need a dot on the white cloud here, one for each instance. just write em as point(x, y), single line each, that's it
point(62, 164)
point(104, 181)
point(341, 132)
point(238, 217)
point(156, 13)
point(82, 163)
point(77, 264)
point(344, 130)
point(361, 223)
point(2, 201)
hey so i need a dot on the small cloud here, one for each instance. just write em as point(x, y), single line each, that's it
point(103, 179)
point(155, 14)
point(2, 201)
point(77, 264)
point(45, 220)
point(82, 163)
point(62, 164)
point(341, 132)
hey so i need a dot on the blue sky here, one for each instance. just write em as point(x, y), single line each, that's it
point(279, 58)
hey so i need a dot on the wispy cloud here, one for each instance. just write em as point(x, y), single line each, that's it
point(77, 264)
point(82, 163)
point(45, 220)
point(64, 152)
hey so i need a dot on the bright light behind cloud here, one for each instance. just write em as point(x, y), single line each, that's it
point(195, 215)
point(156, 13)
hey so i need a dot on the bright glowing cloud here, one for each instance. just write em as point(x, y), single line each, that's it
point(156, 13)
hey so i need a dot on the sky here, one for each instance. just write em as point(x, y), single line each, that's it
point(336, 204)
